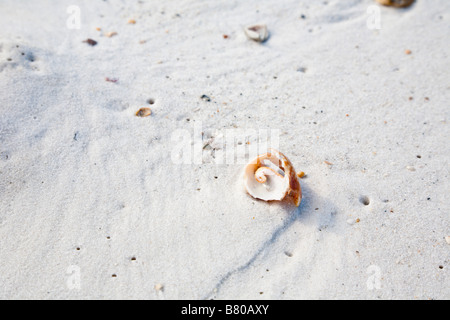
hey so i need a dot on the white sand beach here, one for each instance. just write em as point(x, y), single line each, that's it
point(95, 202)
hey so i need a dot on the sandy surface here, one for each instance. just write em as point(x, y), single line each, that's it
point(93, 204)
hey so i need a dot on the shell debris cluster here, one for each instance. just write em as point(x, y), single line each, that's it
point(272, 177)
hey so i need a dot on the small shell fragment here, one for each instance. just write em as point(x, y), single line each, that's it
point(110, 34)
point(396, 3)
point(144, 112)
point(271, 177)
point(258, 33)
point(111, 80)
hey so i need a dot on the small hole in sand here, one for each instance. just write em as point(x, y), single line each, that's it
point(364, 200)
point(289, 254)
point(4, 156)
point(151, 101)
point(30, 57)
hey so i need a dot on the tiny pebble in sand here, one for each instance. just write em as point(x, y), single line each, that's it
point(90, 42)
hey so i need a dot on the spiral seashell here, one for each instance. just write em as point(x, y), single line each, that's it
point(271, 177)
